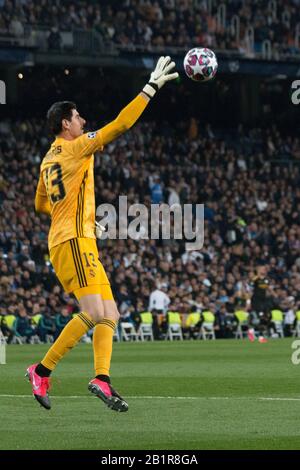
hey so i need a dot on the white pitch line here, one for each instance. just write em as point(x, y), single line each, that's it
point(162, 397)
point(130, 397)
point(279, 399)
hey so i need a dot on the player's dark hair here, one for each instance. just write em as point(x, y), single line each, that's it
point(59, 111)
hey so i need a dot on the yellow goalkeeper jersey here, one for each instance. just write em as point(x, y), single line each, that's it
point(66, 184)
point(67, 178)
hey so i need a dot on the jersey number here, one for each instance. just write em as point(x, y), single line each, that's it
point(57, 186)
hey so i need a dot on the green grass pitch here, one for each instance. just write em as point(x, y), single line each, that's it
point(225, 394)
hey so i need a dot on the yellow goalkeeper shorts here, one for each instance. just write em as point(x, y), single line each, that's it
point(78, 268)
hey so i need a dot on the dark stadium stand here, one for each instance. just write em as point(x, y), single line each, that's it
point(262, 28)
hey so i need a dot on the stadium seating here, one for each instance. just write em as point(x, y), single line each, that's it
point(128, 332)
point(242, 324)
point(145, 330)
point(174, 326)
point(207, 326)
point(277, 322)
point(270, 31)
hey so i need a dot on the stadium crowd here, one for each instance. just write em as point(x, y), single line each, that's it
point(252, 218)
point(162, 23)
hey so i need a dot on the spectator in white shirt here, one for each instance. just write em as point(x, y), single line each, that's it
point(159, 300)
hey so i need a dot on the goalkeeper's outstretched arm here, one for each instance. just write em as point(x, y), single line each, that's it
point(125, 120)
point(87, 144)
point(130, 114)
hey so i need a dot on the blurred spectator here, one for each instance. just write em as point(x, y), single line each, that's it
point(54, 39)
point(60, 321)
point(159, 300)
point(23, 326)
point(7, 325)
point(289, 317)
point(159, 323)
point(156, 190)
point(224, 323)
point(192, 324)
point(46, 327)
point(16, 28)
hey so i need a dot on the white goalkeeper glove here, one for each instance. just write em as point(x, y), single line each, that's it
point(99, 229)
point(160, 76)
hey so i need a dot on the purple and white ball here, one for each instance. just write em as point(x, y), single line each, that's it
point(200, 64)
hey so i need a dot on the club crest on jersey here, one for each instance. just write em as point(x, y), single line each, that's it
point(92, 135)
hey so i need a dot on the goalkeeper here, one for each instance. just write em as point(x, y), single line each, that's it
point(66, 192)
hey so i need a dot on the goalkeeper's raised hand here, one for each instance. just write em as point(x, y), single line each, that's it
point(160, 75)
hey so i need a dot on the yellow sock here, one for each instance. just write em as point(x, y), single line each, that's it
point(102, 343)
point(68, 338)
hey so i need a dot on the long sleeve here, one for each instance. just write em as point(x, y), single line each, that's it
point(85, 145)
point(42, 203)
point(125, 120)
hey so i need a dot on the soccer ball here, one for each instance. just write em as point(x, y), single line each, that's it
point(200, 64)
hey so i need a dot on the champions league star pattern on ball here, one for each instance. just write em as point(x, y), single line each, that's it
point(200, 64)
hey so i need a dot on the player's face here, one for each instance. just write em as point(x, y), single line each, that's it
point(76, 125)
point(262, 271)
